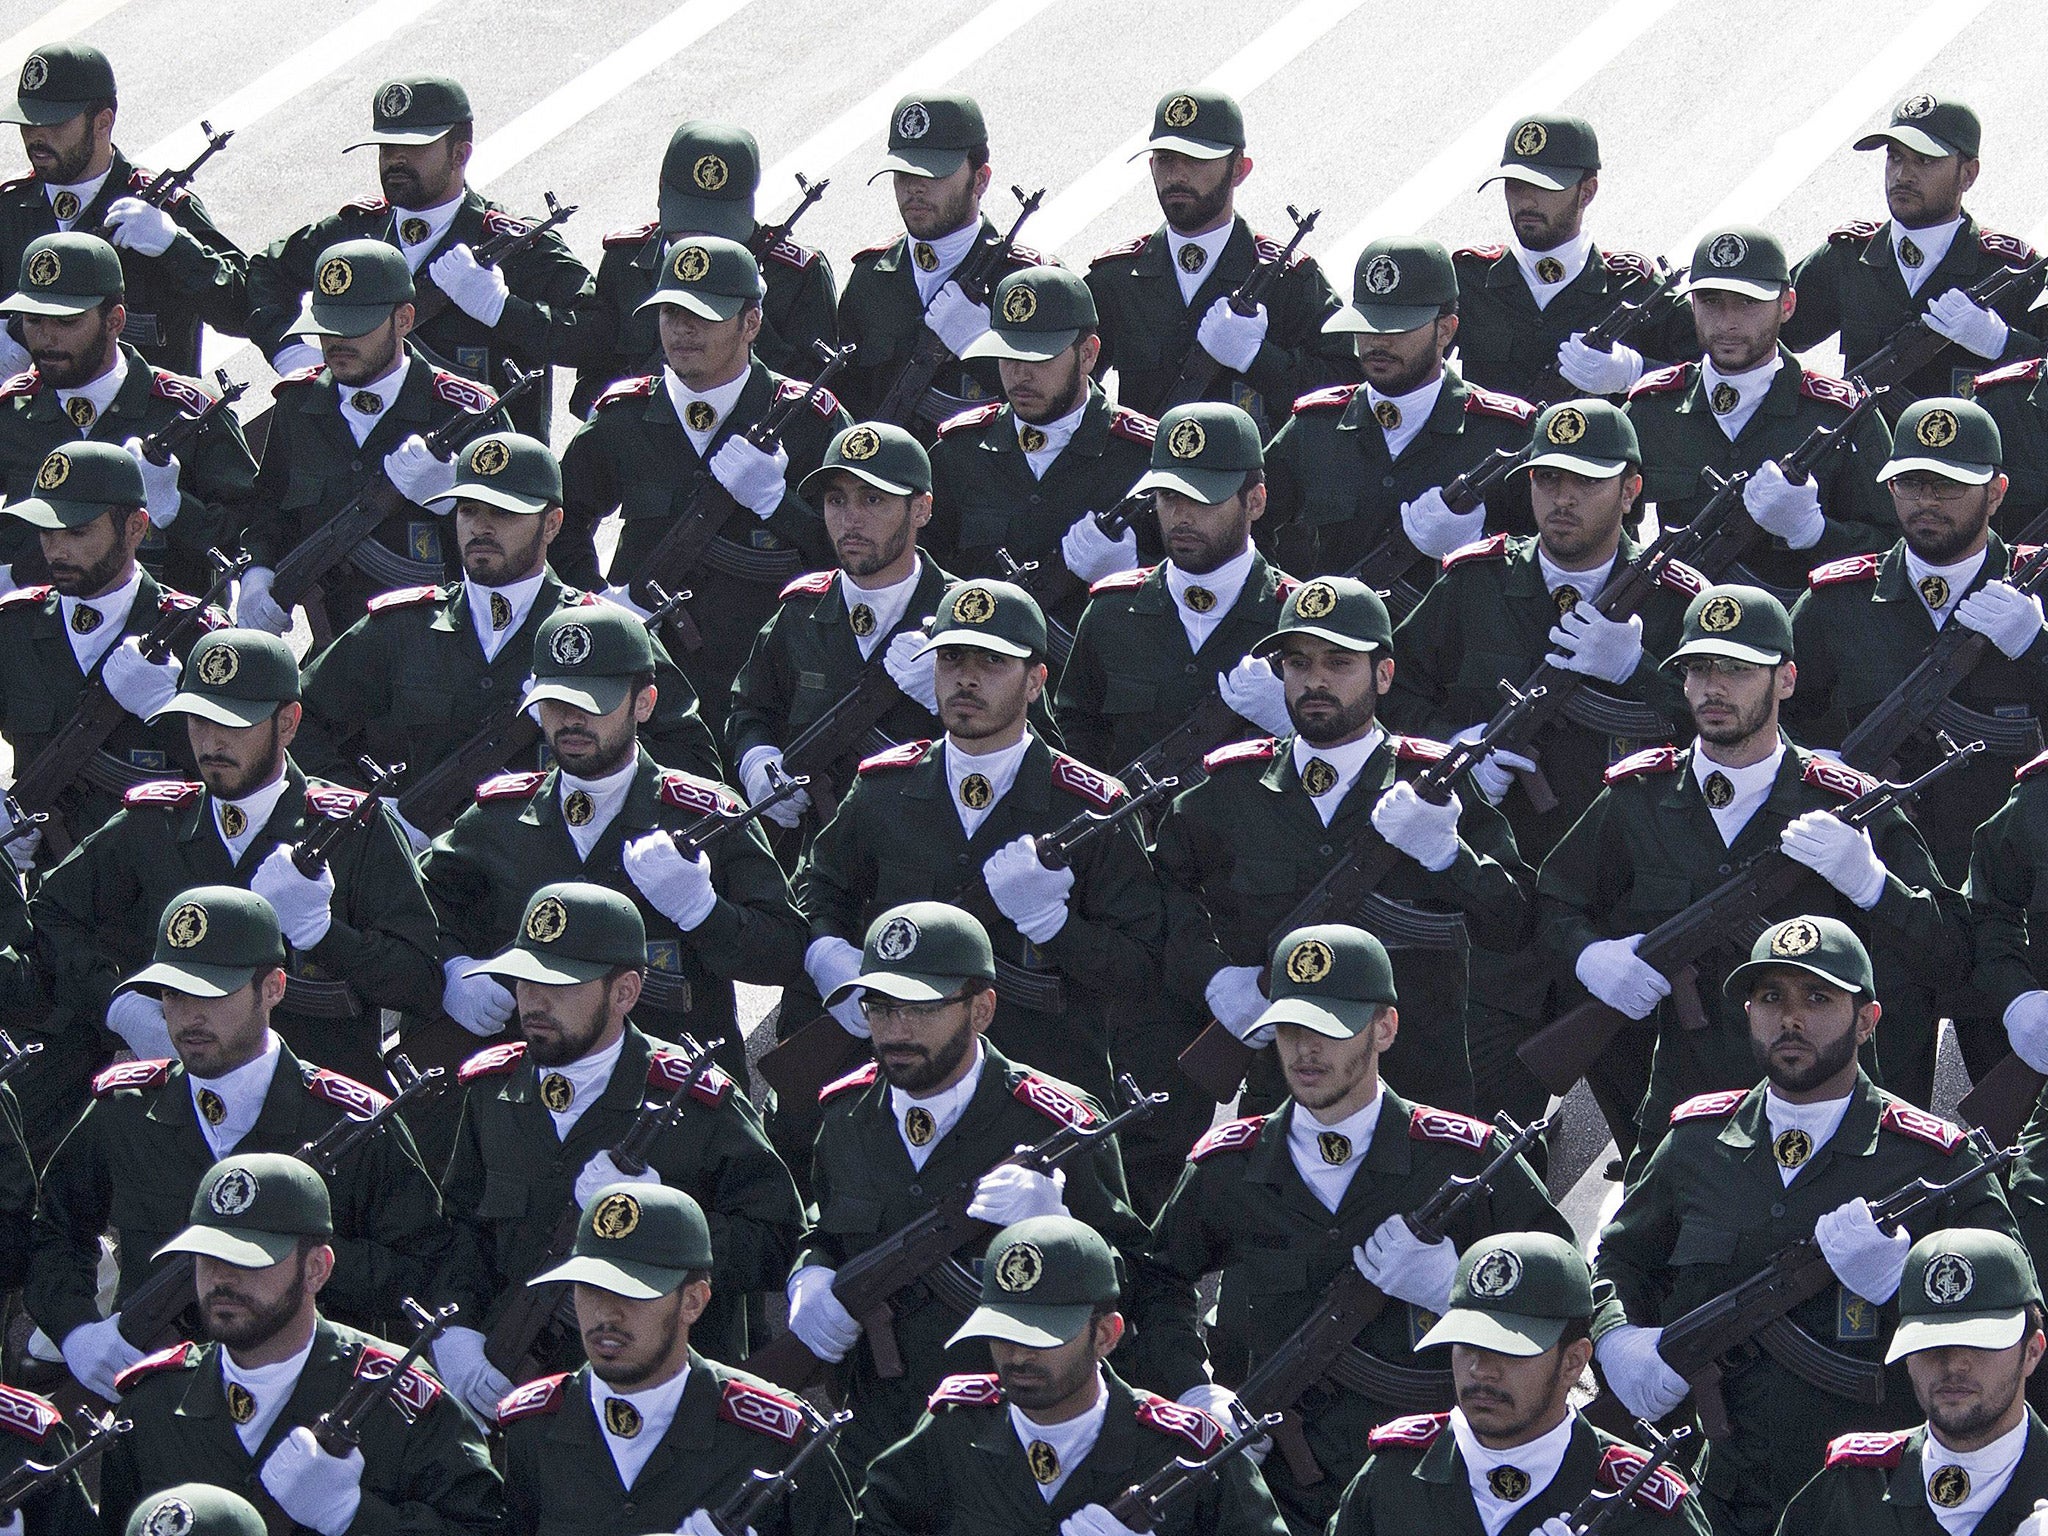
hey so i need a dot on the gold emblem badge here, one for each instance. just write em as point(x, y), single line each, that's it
point(212, 1108)
point(1187, 439)
point(1792, 1148)
point(85, 619)
point(186, 927)
point(1192, 258)
point(691, 263)
point(44, 269)
point(1935, 590)
point(489, 457)
point(860, 444)
point(615, 1216)
point(1335, 1147)
point(1310, 960)
point(926, 258)
point(1019, 305)
point(336, 276)
point(396, 100)
point(1382, 276)
point(1729, 250)
point(862, 619)
point(501, 611)
point(699, 416)
point(570, 646)
point(366, 402)
point(1549, 270)
point(1719, 792)
point(1030, 439)
point(234, 821)
point(1530, 139)
point(1509, 1484)
point(578, 808)
point(1937, 429)
point(414, 231)
point(1566, 427)
point(1318, 778)
point(1315, 601)
point(65, 205)
point(710, 173)
point(1566, 598)
point(918, 1126)
point(1180, 112)
point(241, 1405)
point(557, 1092)
point(82, 411)
point(548, 920)
point(1798, 937)
point(621, 1418)
point(1020, 1268)
point(1387, 414)
point(56, 469)
point(1720, 615)
point(974, 605)
point(1724, 398)
point(1199, 600)
point(35, 74)
point(1044, 1460)
point(1910, 255)
point(1949, 1486)
point(976, 792)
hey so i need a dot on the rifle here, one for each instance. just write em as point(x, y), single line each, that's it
point(1198, 370)
point(182, 429)
point(1623, 319)
point(14, 1057)
point(1598, 1507)
point(1059, 640)
point(1757, 1311)
point(1384, 566)
point(309, 853)
point(848, 724)
point(1217, 1059)
point(1562, 1050)
point(165, 186)
point(433, 302)
point(1140, 1506)
point(769, 236)
point(977, 275)
point(1351, 1302)
point(1916, 343)
point(340, 1429)
point(32, 1477)
point(920, 1250)
point(1054, 586)
point(748, 1501)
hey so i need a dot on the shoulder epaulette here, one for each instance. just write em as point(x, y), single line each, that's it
point(1665, 381)
point(1872, 1448)
point(27, 597)
point(1084, 783)
point(789, 254)
point(416, 1390)
point(1629, 264)
point(1052, 1101)
point(509, 786)
point(639, 234)
point(907, 755)
point(1262, 749)
point(309, 375)
point(625, 389)
point(2011, 247)
point(27, 382)
point(1836, 778)
point(1025, 256)
point(1480, 252)
point(1128, 248)
point(464, 394)
point(2023, 372)
point(1854, 230)
point(27, 1415)
point(1416, 1432)
point(1189, 1424)
point(365, 205)
point(974, 416)
point(1709, 1106)
point(144, 1073)
point(1636, 764)
point(187, 395)
point(1134, 425)
point(1491, 402)
point(813, 584)
point(763, 1411)
point(1825, 386)
point(1838, 573)
point(965, 1391)
point(15, 184)
point(1426, 1123)
point(1494, 547)
point(1269, 249)
point(359, 1099)
point(1332, 397)
point(826, 403)
point(499, 222)
point(707, 1084)
point(1123, 581)
point(1417, 749)
point(404, 597)
point(543, 1394)
point(1680, 577)
point(168, 794)
point(1903, 1118)
point(1227, 1137)
point(862, 1077)
point(492, 1061)
point(2030, 767)
point(182, 1356)
point(882, 249)
point(335, 802)
point(1662, 1490)
point(703, 796)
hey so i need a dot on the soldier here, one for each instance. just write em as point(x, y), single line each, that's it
point(239, 1409)
point(1869, 279)
point(536, 1134)
point(1258, 1198)
point(1054, 1411)
point(200, 1509)
point(154, 1128)
point(1519, 1335)
point(361, 930)
point(525, 308)
point(1359, 466)
point(710, 174)
point(2006, 859)
point(88, 383)
point(2017, 401)
point(1743, 1173)
point(1282, 350)
point(182, 271)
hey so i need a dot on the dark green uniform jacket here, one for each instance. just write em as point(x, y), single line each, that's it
point(2026, 1186)
point(37, 1433)
point(1875, 1484)
point(2008, 888)
point(2018, 402)
point(17, 1193)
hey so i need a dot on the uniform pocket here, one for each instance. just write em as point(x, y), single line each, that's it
point(851, 1215)
point(504, 1198)
point(1703, 1242)
point(641, 499)
point(1128, 695)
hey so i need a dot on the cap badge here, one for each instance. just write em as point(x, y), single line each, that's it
point(700, 417)
point(557, 1092)
point(1937, 429)
point(926, 258)
point(1949, 1279)
point(913, 122)
point(1310, 960)
point(490, 457)
point(1497, 1273)
point(976, 605)
point(621, 1418)
point(1949, 1486)
point(45, 268)
point(1724, 398)
point(1508, 1484)
point(691, 263)
point(335, 276)
point(81, 411)
point(1729, 250)
point(570, 646)
point(615, 1216)
point(1720, 615)
point(1187, 439)
point(414, 231)
point(1798, 937)
point(1387, 414)
point(1180, 112)
point(172, 1517)
point(709, 173)
point(212, 1108)
point(861, 620)
point(1316, 600)
point(896, 940)
point(396, 100)
point(1549, 270)
point(1020, 1268)
point(187, 926)
point(1030, 439)
point(919, 1127)
point(976, 793)
point(55, 471)
point(1916, 106)
point(860, 444)
point(1530, 139)
point(501, 611)
point(219, 665)
point(1566, 427)
point(1019, 304)
point(1335, 1147)
point(1192, 258)
point(1382, 275)
point(1045, 1461)
point(234, 821)
point(1792, 1148)
point(35, 74)
point(1910, 255)
point(65, 205)
point(1318, 778)
point(241, 1404)
point(548, 920)
point(233, 1194)
point(1718, 791)
point(1566, 599)
point(1935, 590)
point(1199, 600)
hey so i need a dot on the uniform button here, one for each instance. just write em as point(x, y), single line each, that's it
point(1777, 1210)
point(358, 464)
point(917, 1189)
point(1725, 869)
point(627, 1507)
point(1326, 848)
point(1388, 482)
point(1189, 669)
point(1035, 500)
point(1334, 1232)
point(484, 683)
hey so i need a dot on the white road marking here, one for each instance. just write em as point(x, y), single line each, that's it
point(62, 21)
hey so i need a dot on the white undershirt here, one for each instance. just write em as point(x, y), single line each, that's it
point(606, 794)
point(1571, 256)
point(270, 1385)
point(1990, 1470)
point(945, 1107)
point(1071, 1439)
point(438, 218)
point(1057, 435)
point(361, 423)
point(1820, 1122)
point(1327, 1181)
point(1224, 583)
point(1750, 389)
point(1349, 760)
point(519, 597)
point(1958, 576)
point(657, 1409)
point(1537, 1459)
point(1752, 786)
point(85, 191)
point(1414, 407)
point(1210, 244)
point(241, 1093)
point(1933, 243)
point(720, 397)
point(588, 1077)
point(999, 768)
point(112, 607)
point(950, 249)
point(99, 392)
point(888, 605)
point(1587, 583)
point(258, 808)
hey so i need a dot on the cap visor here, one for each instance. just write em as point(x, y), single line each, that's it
point(814, 483)
point(904, 986)
point(1020, 346)
point(1592, 469)
point(339, 319)
point(934, 164)
point(1726, 648)
point(1971, 1330)
point(979, 640)
point(245, 1250)
point(1335, 637)
point(491, 496)
point(598, 695)
point(1912, 138)
point(192, 980)
point(1380, 319)
point(1739, 979)
point(1338, 1019)
point(1968, 474)
point(41, 512)
point(636, 1282)
point(1504, 1333)
point(1747, 287)
point(1549, 178)
point(1032, 1327)
point(1194, 149)
point(400, 136)
point(41, 114)
point(525, 965)
point(239, 713)
point(683, 214)
point(56, 305)
point(705, 306)
point(1209, 486)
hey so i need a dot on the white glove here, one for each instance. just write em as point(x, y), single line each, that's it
point(139, 1019)
point(253, 606)
point(2026, 1026)
point(1495, 772)
point(297, 357)
point(678, 888)
point(831, 963)
point(815, 1315)
point(1095, 1520)
point(304, 904)
point(1254, 690)
point(1008, 1194)
point(601, 1170)
point(910, 671)
point(1867, 1259)
point(754, 765)
point(478, 291)
point(140, 686)
point(1776, 505)
point(1091, 554)
point(1586, 641)
point(1026, 892)
point(14, 1525)
point(1235, 999)
point(1406, 1268)
point(1647, 1387)
point(13, 357)
point(480, 1004)
point(757, 481)
point(137, 226)
point(954, 319)
point(1427, 833)
point(418, 472)
point(2008, 618)
point(1840, 854)
point(1216, 1401)
point(1435, 529)
point(1557, 1525)
point(697, 1523)
point(161, 497)
point(95, 1353)
point(459, 1362)
point(1596, 372)
point(21, 852)
point(623, 596)
point(1232, 339)
point(1609, 969)
point(319, 1491)
point(413, 835)
point(1969, 325)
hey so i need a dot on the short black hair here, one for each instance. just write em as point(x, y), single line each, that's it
point(1253, 478)
point(1575, 1329)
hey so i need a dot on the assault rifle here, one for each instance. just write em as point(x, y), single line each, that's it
point(1623, 319)
point(165, 187)
point(1387, 563)
point(845, 727)
point(309, 853)
point(1593, 1513)
point(1141, 1505)
point(32, 1477)
point(340, 1429)
point(1916, 343)
point(1053, 585)
point(1198, 370)
point(181, 429)
point(769, 236)
point(433, 302)
point(737, 1515)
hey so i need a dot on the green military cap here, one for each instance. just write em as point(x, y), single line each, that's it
point(57, 82)
point(1035, 315)
point(1820, 946)
point(356, 285)
point(1202, 123)
point(1928, 125)
point(65, 275)
point(506, 470)
point(1593, 438)
point(1957, 439)
point(639, 1241)
point(1041, 1280)
point(415, 109)
point(572, 931)
point(1739, 258)
point(1742, 623)
point(1514, 1294)
point(236, 677)
point(210, 941)
point(993, 616)
point(251, 1210)
point(1338, 609)
point(709, 175)
point(710, 276)
point(1964, 1286)
point(879, 452)
point(1548, 151)
point(1204, 450)
point(80, 482)
point(195, 1509)
point(1400, 284)
point(1330, 978)
point(931, 135)
point(588, 656)
point(920, 952)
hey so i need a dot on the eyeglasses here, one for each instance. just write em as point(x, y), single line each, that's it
point(888, 1009)
point(1929, 487)
point(1718, 666)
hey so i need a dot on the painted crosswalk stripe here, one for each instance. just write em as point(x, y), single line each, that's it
point(65, 20)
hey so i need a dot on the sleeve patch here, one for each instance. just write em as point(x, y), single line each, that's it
point(499, 222)
point(764, 1412)
point(542, 1395)
point(1052, 1101)
point(1661, 1490)
point(1491, 548)
point(365, 205)
point(168, 793)
point(1418, 749)
point(815, 584)
point(1123, 581)
point(404, 597)
point(1680, 577)
point(1629, 264)
point(1134, 425)
point(700, 795)
point(787, 252)
point(1078, 779)
point(908, 755)
point(1636, 764)
point(1428, 1124)
point(416, 1390)
point(1261, 750)
point(1491, 402)
point(965, 1391)
point(1709, 1106)
point(24, 383)
point(131, 1074)
point(2032, 766)
point(463, 394)
point(509, 786)
point(1822, 386)
point(1903, 1118)
point(975, 417)
point(1665, 381)
point(1227, 1137)
point(862, 1077)
point(1873, 1449)
point(825, 405)
point(304, 375)
point(707, 1084)
point(1838, 573)
point(358, 1099)
point(496, 1061)
point(26, 1414)
point(640, 234)
point(182, 1356)
point(1836, 778)
point(188, 397)
point(1333, 398)
point(1190, 1424)
point(626, 389)
point(1416, 1432)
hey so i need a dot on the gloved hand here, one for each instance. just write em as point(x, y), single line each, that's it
point(1968, 324)
point(1609, 969)
point(910, 671)
point(1586, 641)
point(623, 596)
point(1407, 1268)
point(459, 1362)
point(1026, 892)
point(1557, 1525)
point(815, 1315)
point(136, 226)
point(297, 357)
point(1840, 854)
point(21, 852)
point(1235, 999)
point(304, 904)
point(1008, 1193)
point(831, 963)
point(2026, 1026)
point(757, 481)
point(1595, 372)
point(1867, 1259)
point(955, 319)
point(1091, 554)
point(140, 686)
point(1095, 1520)
point(1216, 1401)
point(253, 607)
point(480, 1004)
point(478, 291)
point(161, 496)
point(1647, 1387)
point(95, 1353)
point(319, 1491)
point(678, 888)
point(1427, 833)
point(1495, 773)
point(418, 472)
point(14, 357)
point(754, 765)
point(139, 1020)
point(1435, 529)
point(697, 1522)
point(601, 1170)
point(2008, 618)
point(413, 834)
point(1791, 512)
point(1254, 690)
point(1232, 339)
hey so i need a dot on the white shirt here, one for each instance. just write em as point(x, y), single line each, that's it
point(1210, 245)
point(999, 768)
point(112, 607)
point(721, 398)
point(241, 1093)
point(950, 249)
point(1990, 1469)
point(1958, 576)
point(1587, 583)
point(888, 605)
point(384, 391)
point(1819, 1122)
point(1327, 1181)
point(257, 808)
point(85, 191)
point(588, 1077)
point(1752, 786)
point(438, 218)
point(1932, 242)
point(518, 597)
point(1537, 1459)
point(607, 795)
point(1414, 407)
point(945, 1107)
point(657, 1409)
point(1750, 389)
point(99, 392)
point(1071, 1440)
point(1224, 584)
point(1571, 257)
point(1349, 760)
point(270, 1385)
point(1057, 435)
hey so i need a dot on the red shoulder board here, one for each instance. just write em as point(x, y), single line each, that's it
point(168, 793)
point(1427, 1124)
point(492, 1061)
point(1284, 585)
point(29, 1416)
point(2023, 372)
point(1665, 381)
point(1416, 1432)
point(1480, 252)
point(1662, 1489)
point(182, 1356)
point(1171, 1418)
point(463, 394)
point(404, 597)
point(2015, 250)
point(640, 234)
point(1025, 256)
point(796, 389)
point(975, 417)
point(625, 389)
point(1709, 1106)
point(707, 1085)
point(1332, 398)
point(1269, 249)
point(416, 1390)
point(334, 801)
point(1128, 248)
point(27, 597)
point(1920, 1125)
point(1855, 229)
point(1418, 749)
point(882, 249)
point(173, 601)
point(2031, 766)
point(26, 383)
point(1051, 1101)
point(498, 222)
point(1494, 548)
point(1123, 581)
point(908, 755)
point(965, 1391)
point(1649, 760)
point(1227, 1137)
point(1875, 1448)
point(131, 1074)
point(1259, 750)
point(359, 1099)
point(1838, 573)
point(699, 795)
point(790, 254)
point(816, 584)
point(509, 786)
point(1629, 264)
point(765, 1412)
point(1083, 782)
point(188, 396)
point(304, 375)
point(863, 1077)
point(365, 205)
point(1836, 778)
point(1680, 577)
point(1824, 386)
point(1135, 425)
point(139, 180)
point(541, 1395)
point(1491, 402)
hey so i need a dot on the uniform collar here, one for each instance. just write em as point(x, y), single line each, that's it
point(656, 1407)
point(945, 1107)
point(1750, 387)
point(998, 768)
point(100, 391)
point(1328, 1181)
point(1349, 760)
point(1072, 1439)
point(721, 398)
point(113, 608)
point(1416, 408)
point(1934, 243)
point(950, 250)
point(1958, 578)
point(258, 808)
point(1990, 1471)
point(1537, 1460)
point(1571, 258)
point(1226, 584)
point(85, 191)
point(271, 1386)
point(588, 1078)
point(608, 796)
point(517, 598)
point(242, 1092)
point(1210, 245)
point(1057, 435)
point(1752, 785)
point(384, 391)
point(437, 218)
point(887, 604)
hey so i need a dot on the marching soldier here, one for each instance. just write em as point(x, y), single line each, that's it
point(2017, 401)
point(39, 1437)
point(2007, 856)
point(1204, 251)
point(1744, 1172)
point(1054, 1411)
point(198, 1508)
point(154, 1128)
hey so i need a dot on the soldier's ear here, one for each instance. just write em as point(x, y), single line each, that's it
point(920, 509)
